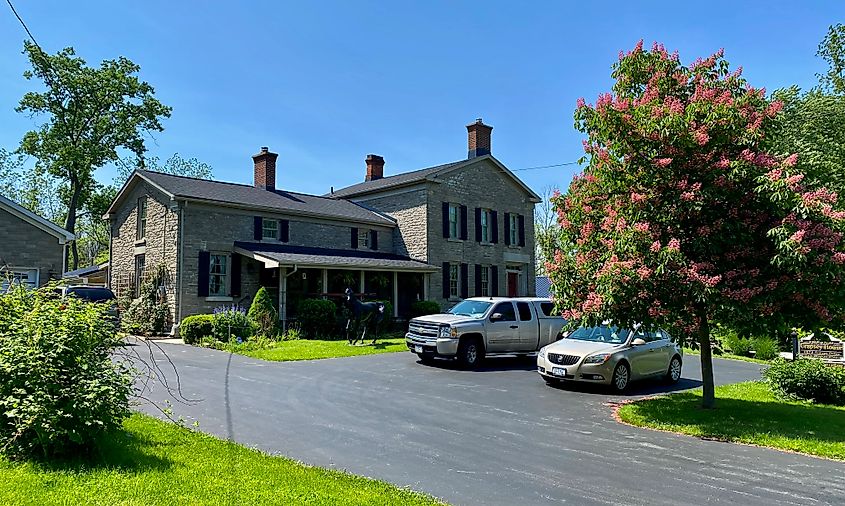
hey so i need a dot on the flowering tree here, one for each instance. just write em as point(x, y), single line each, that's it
point(681, 218)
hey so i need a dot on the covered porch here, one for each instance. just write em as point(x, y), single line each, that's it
point(294, 273)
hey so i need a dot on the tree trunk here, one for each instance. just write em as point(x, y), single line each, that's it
point(708, 395)
point(70, 222)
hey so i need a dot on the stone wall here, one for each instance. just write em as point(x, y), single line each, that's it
point(26, 246)
point(408, 208)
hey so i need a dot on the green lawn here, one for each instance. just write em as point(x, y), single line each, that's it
point(746, 413)
point(310, 349)
point(729, 356)
point(153, 462)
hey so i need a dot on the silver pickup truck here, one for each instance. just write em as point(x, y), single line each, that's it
point(483, 326)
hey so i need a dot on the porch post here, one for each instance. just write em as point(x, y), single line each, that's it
point(361, 286)
point(283, 295)
point(426, 276)
point(395, 294)
point(325, 281)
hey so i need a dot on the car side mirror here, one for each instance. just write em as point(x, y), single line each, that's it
point(495, 317)
point(638, 342)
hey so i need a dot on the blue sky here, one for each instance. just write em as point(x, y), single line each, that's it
point(325, 83)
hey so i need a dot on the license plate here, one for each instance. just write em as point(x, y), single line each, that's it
point(418, 349)
point(559, 371)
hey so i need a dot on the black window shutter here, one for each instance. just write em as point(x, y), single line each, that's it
point(463, 223)
point(204, 264)
point(507, 229)
point(494, 222)
point(284, 230)
point(354, 238)
point(464, 281)
point(478, 224)
point(494, 281)
point(257, 229)
point(445, 280)
point(374, 239)
point(446, 220)
point(478, 280)
point(235, 282)
point(521, 230)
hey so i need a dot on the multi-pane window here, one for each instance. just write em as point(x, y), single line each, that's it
point(25, 277)
point(454, 216)
point(486, 226)
point(140, 268)
point(142, 218)
point(363, 238)
point(269, 229)
point(485, 280)
point(453, 280)
point(218, 273)
point(514, 229)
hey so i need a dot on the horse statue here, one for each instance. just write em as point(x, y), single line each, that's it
point(361, 314)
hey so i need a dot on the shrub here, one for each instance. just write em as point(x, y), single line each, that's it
point(263, 314)
point(424, 307)
point(807, 379)
point(735, 344)
point(194, 328)
point(147, 314)
point(229, 322)
point(60, 389)
point(317, 317)
point(765, 348)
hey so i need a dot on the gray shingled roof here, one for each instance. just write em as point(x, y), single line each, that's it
point(250, 196)
point(335, 258)
point(391, 181)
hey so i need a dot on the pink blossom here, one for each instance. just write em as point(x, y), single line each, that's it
point(774, 174)
point(791, 160)
point(701, 137)
point(723, 163)
point(580, 102)
point(798, 236)
point(662, 162)
point(688, 196)
point(674, 245)
point(641, 227)
point(644, 272)
point(774, 108)
point(794, 179)
point(839, 257)
point(655, 247)
point(637, 197)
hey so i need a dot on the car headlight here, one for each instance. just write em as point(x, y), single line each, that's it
point(448, 331)
point(597, 359)
point(542, 353)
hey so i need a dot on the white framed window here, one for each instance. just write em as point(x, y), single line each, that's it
point(486, 225)
point(18, 276)
point(140, 267)
point(485, 281)
point(141, 231)
point(514, 230)
point(454, 284)
point(269, 229)
point(454, 216)
point(218, 275)
point(363, 238)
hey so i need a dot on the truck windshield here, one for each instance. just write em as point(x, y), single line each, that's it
point(601, 334)
point(472, 308)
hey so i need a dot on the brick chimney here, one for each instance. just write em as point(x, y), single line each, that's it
point(265, 169)
point(375, 168)
point(478, 139)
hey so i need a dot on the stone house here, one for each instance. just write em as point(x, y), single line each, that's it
point(32, 249)
point(442, 233)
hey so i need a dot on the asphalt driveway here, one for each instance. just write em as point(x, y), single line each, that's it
point(496, 436)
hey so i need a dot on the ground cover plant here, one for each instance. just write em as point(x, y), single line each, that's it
point(157, 463)
point(747, 413)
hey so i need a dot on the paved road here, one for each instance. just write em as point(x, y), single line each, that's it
point(497, 436)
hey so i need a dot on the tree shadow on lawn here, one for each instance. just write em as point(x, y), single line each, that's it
point(746, 420)
point(120, 450)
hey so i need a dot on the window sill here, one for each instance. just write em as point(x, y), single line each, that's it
point(141, 242)
point(219, 298)
point(452, 239)
point(485, 243)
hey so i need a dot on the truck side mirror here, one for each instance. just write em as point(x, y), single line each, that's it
point(638, 342)
point(495, 317)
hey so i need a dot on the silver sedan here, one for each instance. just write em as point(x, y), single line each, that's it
point(611, 356)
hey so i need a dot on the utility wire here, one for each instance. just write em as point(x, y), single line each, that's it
point(545, 166)
point(15, 12)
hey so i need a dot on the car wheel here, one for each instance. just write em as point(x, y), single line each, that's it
point(470, 353)
point(426, 358)
point(673, 374)
point(621, 377)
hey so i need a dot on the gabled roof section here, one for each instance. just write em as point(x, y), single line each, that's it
point(33, 219)
point(428, 174)
point(249, 197)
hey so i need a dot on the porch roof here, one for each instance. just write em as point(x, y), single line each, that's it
point(283, 255)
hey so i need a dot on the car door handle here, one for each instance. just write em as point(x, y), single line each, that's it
point(514, 326)
point(651, 350)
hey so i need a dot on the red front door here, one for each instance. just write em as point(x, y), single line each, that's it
point(513, 284)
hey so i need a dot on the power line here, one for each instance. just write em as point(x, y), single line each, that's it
point(545, 166)
point(15, 12)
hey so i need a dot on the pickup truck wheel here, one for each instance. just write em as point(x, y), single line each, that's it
point(470, 353)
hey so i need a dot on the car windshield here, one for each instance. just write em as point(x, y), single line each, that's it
point(472, 308)
point(601, 334)
point(92, 294)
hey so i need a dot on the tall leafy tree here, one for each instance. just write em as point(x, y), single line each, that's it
point(89, 115)
point(546, 229)
point(176, 165)
point(682, 218)
point(832, 50)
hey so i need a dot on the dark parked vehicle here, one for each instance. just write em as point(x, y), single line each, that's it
point(98, 294)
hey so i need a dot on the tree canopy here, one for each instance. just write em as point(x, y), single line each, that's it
point(683, 217)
